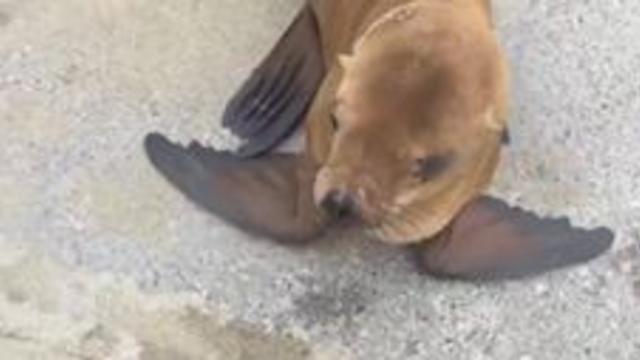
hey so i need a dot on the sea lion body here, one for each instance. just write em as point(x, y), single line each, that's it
point(403, 105)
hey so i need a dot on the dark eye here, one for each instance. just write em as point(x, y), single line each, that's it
point(334, 122)
point(431, 167)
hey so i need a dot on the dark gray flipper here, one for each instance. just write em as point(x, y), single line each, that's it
point(491, 240)
point(266, 196)
point(272, 103)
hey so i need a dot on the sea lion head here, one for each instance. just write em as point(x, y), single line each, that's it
point(416, 128)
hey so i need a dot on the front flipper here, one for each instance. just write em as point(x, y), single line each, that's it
point(269, 196)
point(490, 240)
point(272, 103)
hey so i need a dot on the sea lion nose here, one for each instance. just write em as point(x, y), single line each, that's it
point(339, 204)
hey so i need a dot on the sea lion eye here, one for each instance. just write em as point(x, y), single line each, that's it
point(334, 122)
point(430, 167)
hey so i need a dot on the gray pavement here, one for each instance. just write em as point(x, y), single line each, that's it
point(100, 259)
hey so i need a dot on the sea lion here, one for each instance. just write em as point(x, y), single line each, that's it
point(403, 104)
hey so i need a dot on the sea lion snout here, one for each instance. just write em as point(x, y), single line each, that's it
point(333, 196)
point(339, 204)
point(345, 196)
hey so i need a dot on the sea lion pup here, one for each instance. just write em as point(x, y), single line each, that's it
point(404, 107)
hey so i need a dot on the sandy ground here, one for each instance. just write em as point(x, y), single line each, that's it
point(100, 259)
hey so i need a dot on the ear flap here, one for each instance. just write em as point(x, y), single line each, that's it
point(491, 240)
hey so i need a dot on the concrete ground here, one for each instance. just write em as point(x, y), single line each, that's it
point(100, 259)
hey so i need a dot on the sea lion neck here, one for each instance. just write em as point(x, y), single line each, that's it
point(376, 12)
point(341, 23)
point(386, 12)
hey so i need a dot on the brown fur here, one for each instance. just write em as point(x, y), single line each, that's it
point(406, 80)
